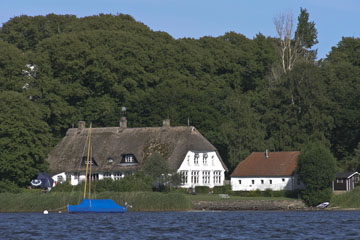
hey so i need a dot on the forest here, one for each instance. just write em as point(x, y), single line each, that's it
point(242, 94)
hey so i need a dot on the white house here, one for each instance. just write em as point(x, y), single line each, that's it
point(267, 170)
point(202, 168)
point(118, 151)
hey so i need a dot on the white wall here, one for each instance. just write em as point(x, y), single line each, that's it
point(263, 183)
point(211, 165)
point(75, 178)
point(59, 178)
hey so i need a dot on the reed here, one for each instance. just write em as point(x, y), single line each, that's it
point(150, 201)
point(347, 200)
point(37, 201)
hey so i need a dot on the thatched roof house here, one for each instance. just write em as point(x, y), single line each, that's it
point(122, 149)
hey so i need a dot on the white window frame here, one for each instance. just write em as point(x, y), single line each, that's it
point(206, 177)
point(184, 177)
point(129, 158)
point(196, 159)
point(118, 176)
point(205, 157)
point(195, 177)
point(107, 175)
point(217, 177)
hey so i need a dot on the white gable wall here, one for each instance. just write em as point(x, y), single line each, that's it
point(59, 178)
point(288, 183)
point(201, 169)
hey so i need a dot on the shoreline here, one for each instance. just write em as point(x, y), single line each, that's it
point(237, 205)
point(234, 205)
point(31, 202)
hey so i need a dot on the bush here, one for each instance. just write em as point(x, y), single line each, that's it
point(313, 198)
point(317, 169)
point(133, 183)
point(155, 165)
point(226, 189)
point(8, 186)
point(268, 193)
point(105, 185)
point(202, 189)
point(67, 187)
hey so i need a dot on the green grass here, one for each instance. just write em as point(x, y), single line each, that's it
point(32, 201)
point(37, 201)
point(347, 200)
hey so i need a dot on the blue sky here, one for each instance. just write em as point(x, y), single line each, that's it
point(196, 18)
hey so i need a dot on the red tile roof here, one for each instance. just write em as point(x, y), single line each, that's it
point(278, 164)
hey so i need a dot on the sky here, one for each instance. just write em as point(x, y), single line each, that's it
point(333, 19)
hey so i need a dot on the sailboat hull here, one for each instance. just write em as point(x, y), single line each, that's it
point(96, 206)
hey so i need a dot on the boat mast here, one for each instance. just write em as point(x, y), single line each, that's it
point(87, 159)
point(90, 175)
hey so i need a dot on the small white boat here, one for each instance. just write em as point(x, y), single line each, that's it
point(323, 205)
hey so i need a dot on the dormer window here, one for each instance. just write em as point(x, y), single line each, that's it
point(196, 158)
point(205, 156)
point(90, 162)
point(128, 159)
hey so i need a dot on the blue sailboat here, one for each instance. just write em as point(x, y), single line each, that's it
point(94, 205)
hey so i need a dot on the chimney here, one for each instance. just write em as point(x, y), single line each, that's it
point(166, 123)
point(266, 154)
point(123, 122)
point(81, 126)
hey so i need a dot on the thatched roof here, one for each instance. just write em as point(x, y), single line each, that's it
point(113, 142)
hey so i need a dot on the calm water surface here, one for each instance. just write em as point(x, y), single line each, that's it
point(183, 225)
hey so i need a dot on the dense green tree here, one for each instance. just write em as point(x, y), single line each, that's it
point(298, 109)
point(306, 33)
point(14, 73)
point(26, 32)
point(243, 131)
point(24, 139)
point(316, 169)
point(342, 71)
point(155, 165)
point(352, 162)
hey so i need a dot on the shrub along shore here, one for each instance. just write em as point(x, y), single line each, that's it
point(175, 200)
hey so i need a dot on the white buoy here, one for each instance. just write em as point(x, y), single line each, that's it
point(46, 212)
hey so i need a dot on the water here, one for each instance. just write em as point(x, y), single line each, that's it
point(183, 225)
